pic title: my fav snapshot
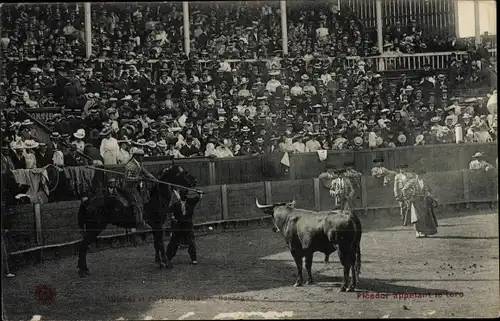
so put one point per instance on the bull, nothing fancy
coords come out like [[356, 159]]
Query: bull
[[307, 232]]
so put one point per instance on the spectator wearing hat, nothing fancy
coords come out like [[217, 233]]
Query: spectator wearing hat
[[189, 149], [123, 154], [312, 144], [419, 140], [247, 148], [259, 148], [17, 157], [162, 147], [113, 115], [272, 144], [273, 83], [42, 157], [237, 150], [299, 146], [55, 142], [400, 181], [223, 150], [479, 164], [176, 153], [27, 131], [109, 147], [309, 88], [296, 90], [210, 148], [481, 132], [78, 142], [285, 143], [339, 141], [72, 158], [378, 170]]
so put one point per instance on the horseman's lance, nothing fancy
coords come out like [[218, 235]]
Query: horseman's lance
[[146, 178]]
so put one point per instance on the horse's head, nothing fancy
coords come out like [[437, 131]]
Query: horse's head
[[177, 175]]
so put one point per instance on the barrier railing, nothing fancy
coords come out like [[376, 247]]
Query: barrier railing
[[401, 62], [385, 62], [42, 226], [249, 169]]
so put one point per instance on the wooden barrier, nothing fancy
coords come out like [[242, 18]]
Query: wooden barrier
[[435, 158], [241, 200], [483, 186], [54, 225], [304, 166], [247, 169]]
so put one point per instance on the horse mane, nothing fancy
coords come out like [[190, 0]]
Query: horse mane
[[155, 191]]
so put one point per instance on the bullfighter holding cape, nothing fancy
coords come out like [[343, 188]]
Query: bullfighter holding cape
[[421, 205]]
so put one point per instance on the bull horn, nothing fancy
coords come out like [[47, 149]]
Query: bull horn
[[261, 206]]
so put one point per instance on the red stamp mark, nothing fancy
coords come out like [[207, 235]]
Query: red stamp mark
[[45, 293]]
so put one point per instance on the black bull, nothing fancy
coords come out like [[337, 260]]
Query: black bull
[[307, 232]]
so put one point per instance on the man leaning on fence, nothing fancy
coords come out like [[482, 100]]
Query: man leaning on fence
[[478, 163], [400, 180], [342, 191], [353, 175]]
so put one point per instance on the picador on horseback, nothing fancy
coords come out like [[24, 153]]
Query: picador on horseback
[[139, 211], [133, 186]]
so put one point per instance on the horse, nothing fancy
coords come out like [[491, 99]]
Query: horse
[[96, 213], [155, 208]]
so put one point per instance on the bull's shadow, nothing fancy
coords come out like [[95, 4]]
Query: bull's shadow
[[462, 237], [378, 285]]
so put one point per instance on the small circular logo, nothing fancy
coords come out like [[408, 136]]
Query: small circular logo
[[45, 293]]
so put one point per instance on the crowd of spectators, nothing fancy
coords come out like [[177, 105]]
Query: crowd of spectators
[[181, 108]]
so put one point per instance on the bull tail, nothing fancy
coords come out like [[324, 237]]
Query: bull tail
[[357, 243], [357, 263]]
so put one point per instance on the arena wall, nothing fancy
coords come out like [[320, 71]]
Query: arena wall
[[51, 230], [247, 169]]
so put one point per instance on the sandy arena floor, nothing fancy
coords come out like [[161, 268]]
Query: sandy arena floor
[[249, 274]]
